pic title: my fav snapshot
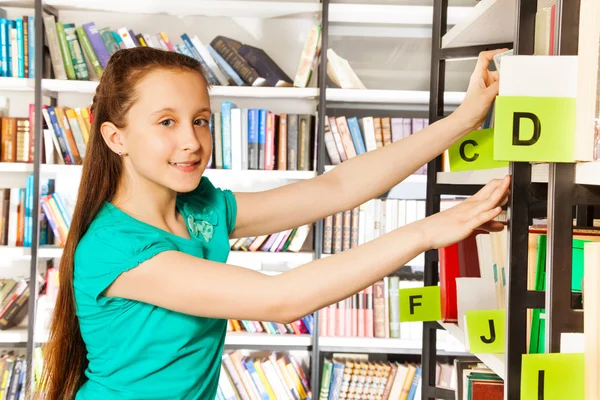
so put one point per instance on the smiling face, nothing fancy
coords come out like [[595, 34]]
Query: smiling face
[[167, 140]]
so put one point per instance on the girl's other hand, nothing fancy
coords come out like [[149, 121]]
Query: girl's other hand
[[477, 212], [482, 90]]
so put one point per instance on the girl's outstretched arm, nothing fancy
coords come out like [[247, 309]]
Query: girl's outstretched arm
[[199, 287], [364, 177]]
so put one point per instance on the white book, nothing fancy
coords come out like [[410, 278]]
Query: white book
[[209, 60], [244, 138], [368, 130], [236, 139], [126, 37]]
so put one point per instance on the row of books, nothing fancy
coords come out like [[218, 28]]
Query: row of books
[[17, 46], [376, 217], [347, 137], [65, 130], [291, 240], [16, 211], [303, 326], [14, 296], [260, 139], [82, 53], [355, 377], [373, 312], [262, 375], [13, 374]]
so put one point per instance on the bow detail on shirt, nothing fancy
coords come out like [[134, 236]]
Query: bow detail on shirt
[[201, 224]]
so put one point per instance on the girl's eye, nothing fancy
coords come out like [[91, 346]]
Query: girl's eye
[[201, 122], [167, 122]]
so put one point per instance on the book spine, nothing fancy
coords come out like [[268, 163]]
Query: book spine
[[109, 41], [262, 134], [210, 76], [81, 71], [225, 66], [89, 50], [20, 49], [253, 139], [226, 107], [4, 47], [64, 50], [26, 46], [270, 142], [96, 42], [237, 62], [292, 142], [31, 43]]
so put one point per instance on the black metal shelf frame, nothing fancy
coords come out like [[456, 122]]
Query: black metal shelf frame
[[529, 200]]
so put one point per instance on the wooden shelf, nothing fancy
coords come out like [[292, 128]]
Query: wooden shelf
[[265, 340], [16, 335], [489, 22], [209, 8], [374, 345], [388, 96], [495, 362], [16, 84], [390, 14], [586, 173], [89, 87]]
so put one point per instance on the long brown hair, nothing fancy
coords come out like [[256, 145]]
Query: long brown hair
[[65, 355]]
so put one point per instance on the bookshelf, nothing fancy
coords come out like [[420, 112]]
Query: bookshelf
[[538, 191], [268, 19]]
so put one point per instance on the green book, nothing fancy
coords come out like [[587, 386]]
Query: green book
[[64, 51], [81, 71], [89, 50]]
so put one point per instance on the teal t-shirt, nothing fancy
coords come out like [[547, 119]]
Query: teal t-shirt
[[137, 350]]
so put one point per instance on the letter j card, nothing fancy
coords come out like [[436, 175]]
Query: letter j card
[[485, 331], [420, 304]]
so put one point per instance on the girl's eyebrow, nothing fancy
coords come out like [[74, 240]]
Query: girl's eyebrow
[[170, 109]]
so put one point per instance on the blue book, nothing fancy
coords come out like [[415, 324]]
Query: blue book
[[262, 134], [20, 49], [357, 137], [262, 391], [62, 208], [226, 107], [43, 219], [225, 66], [253, 138], [28, 212], [210, 76], [31, 43], [9, 26], [415, 383], [4, 47]]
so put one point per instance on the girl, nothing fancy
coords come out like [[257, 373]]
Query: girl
[[145, 291]]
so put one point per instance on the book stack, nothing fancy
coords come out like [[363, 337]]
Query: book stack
[[253, 138], [355, 377], [262, 375], [82, 53], [346, 137], [373, 312], [16, 138], [350, 228], [16, 211], [291, 240], [14, 296], [301, 327], [13, 372], [17, 47]]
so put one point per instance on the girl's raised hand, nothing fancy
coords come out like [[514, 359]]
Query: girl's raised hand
[[477, 212], [482, 90]]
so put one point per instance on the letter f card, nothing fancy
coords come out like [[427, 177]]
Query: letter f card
[[420, 304]]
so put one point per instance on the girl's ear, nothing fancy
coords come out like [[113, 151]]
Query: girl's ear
[[113, 137]]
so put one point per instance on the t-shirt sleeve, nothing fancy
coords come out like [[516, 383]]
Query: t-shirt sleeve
[[223, 200], [105, 253]]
